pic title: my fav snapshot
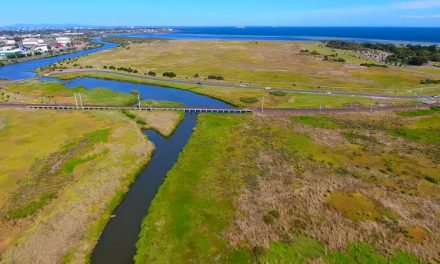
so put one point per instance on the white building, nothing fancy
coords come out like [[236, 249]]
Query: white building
[[5, 53], [32, 42], [10, 42], [63, 40], [43, 48]]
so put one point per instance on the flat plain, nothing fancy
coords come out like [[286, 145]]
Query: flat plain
[[261, 63]]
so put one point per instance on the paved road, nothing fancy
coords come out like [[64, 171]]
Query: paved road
[[225, 110], [376, 96]]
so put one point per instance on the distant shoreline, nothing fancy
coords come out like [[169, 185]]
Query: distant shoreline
[[395, 35]]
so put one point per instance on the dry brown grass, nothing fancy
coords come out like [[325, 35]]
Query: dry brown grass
[[67, 228], [299, 186], [163, 122], [266, 63]]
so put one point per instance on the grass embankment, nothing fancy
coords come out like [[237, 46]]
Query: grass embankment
[[55, 93], [61, 175], [246, 98], [165, 123], [262, 63], [281, 189]]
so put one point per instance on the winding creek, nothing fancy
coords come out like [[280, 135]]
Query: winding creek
[[117, 243]]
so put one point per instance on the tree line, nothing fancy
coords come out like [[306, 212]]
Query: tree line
[[400, 54]]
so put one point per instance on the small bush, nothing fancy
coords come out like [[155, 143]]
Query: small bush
[[215, 77], [169, 74], [151, 73], [429, 81], [369, 65], [431, 179], [270, 217]]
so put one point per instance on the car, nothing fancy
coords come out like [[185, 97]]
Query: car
[[268, 88], [329, 93], [242, 85]]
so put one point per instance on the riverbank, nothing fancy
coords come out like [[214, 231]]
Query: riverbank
[[45, 55], [82, 144], [117, 242], [45, 92], [58, 195], [255, 189]]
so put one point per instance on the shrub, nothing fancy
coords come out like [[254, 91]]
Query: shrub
[[431, 179], [369, 65], [417, 60], [151, 73], [169, 74], [429, 81], [270, 217], [105, 67], [249, 100], [215, 77]]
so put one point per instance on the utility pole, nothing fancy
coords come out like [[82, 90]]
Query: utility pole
[[372, 103], [76, 101], [139, 102], [81, 101], [320, 107], [262, 105], [18, 100], [418, 99]]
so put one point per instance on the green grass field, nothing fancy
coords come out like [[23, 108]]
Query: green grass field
[[236, 96], [62, 173], [56, 93], [262, 63], [295, 189]]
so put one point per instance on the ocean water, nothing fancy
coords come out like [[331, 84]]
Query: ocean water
[[358, 34]]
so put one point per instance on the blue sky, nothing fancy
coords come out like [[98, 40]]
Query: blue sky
[[224, 12]]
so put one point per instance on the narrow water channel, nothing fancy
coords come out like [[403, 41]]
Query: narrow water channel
[[117, 244]]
